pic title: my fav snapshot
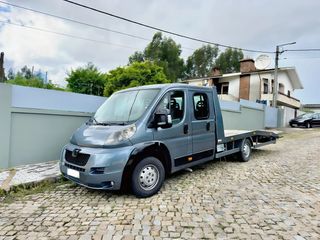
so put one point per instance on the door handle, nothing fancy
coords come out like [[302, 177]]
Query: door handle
[[185, 128], [208, 126]]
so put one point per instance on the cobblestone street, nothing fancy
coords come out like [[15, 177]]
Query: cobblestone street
[[276, 195]]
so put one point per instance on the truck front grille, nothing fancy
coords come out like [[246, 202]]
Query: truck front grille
[[74, 167], [80, 159]]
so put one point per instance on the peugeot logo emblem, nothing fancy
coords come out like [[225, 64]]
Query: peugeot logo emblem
[[75, 152]]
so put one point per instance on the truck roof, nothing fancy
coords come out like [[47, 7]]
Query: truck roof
[[166, 86]]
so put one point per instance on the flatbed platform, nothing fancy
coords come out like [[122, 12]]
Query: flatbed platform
[[231, 135], [231, 143]]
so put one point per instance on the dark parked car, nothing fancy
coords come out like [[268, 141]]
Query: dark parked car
[[307, 120]]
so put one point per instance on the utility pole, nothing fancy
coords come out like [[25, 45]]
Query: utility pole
[[276, 66], [275, 82], [2, 77]]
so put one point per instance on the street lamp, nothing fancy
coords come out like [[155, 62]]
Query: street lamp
[[275, 88]]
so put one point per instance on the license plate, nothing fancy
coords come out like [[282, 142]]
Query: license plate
[[73, 173]]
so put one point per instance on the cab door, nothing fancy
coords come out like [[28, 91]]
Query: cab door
[[177, 138], [202, 124]]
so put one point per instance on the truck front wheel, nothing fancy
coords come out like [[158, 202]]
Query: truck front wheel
[[245, 150], [147, 177]]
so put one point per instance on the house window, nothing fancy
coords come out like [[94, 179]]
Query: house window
[[281, 88], [265, 86], [225, 88]]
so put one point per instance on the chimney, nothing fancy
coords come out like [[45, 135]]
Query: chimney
[[215, 72], [247, 65]]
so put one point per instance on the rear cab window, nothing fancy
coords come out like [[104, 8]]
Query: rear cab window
[[201, 106]]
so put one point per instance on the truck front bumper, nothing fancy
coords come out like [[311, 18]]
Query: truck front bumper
[[96, 168]]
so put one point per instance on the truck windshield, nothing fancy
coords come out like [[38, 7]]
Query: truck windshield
[[125, 107]]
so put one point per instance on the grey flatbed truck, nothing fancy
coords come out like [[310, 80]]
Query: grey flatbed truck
[[140, 135]]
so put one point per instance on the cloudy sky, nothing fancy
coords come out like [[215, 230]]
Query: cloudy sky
[[253, 24]]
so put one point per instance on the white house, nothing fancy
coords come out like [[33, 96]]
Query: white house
[[256, 85]]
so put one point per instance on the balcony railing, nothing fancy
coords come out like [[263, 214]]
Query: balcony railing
[[228, 97], [283, 99], [281, 93]]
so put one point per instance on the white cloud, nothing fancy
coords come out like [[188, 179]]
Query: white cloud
[[247, 23]]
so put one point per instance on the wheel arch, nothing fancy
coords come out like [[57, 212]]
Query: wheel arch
[[155, 149]]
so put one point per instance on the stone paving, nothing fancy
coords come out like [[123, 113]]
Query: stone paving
[[276, 195], [29, 174]]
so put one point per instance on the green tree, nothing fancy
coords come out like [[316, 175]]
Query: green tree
[[11, 74], [229, 60], [136, 57], [165, 52], [136, 74], [87, 80], [200, 63], [26, 72], [33, 81]]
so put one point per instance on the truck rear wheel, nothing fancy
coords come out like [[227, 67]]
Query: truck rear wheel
[[147, 177], [245, 150]]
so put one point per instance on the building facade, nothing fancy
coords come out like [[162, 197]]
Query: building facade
[[256, 85]]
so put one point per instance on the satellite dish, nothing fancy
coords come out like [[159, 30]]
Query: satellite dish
[[262, 62]]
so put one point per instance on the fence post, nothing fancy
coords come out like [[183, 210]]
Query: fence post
[[5, 126]]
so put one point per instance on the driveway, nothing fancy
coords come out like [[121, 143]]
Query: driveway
[[276, 195]]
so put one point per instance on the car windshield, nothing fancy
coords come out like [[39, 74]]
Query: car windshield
[[306, 115], [125, 107]]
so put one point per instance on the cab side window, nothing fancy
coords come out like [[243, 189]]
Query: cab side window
[[174, 102], [201, 106]]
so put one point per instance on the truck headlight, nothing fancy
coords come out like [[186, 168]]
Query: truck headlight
[[122, 135]]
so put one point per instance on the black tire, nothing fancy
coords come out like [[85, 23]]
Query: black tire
[[149, 171], [308, 125], [245, 150]]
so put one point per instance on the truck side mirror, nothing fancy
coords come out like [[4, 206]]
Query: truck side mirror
[[162, 119]]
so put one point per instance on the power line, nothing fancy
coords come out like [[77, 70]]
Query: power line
[[76, 21], [299, 58], [67, 35], [303, 50], [83, 23], [163, 30]]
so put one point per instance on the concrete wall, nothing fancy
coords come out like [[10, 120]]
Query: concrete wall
[[289, 114], [243, 115], [271, 117], [36, 123]]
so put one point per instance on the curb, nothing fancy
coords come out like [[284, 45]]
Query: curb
[[29, 185]]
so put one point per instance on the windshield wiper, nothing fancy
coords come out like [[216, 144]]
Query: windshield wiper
[[96, 122], [116, 123]]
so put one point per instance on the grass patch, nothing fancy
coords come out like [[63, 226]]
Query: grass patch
[[18, 192]]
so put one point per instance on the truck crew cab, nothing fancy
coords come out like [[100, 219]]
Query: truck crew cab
[[140, 135]]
